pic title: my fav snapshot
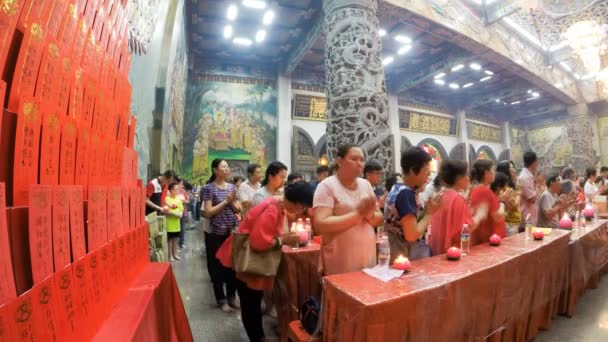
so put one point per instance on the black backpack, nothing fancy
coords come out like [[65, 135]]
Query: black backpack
[[310, 315]]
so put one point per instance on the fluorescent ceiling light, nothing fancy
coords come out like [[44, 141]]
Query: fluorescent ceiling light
[[475, 66], [440, 82], [404, 49], [260, 36], [488, 72], [388, 60], [268, 17], [227, 31], [254, 4], [467, 85], [242, 41], [454, 85], [497, 100], [403, 39], [458, 67], [485, 79], [382, 32], [440, 75], [523, 32], [535, 94], [233, 12], [516, 102]]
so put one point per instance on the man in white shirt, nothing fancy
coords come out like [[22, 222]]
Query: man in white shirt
[[249, 187], [526, 180], [550, 205]]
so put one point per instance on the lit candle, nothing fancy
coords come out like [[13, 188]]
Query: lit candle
[[401, 263]]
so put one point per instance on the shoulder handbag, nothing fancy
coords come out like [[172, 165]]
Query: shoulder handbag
[[246, 260]]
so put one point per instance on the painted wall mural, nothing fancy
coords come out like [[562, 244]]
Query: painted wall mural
[[175, 98], [235, 120]]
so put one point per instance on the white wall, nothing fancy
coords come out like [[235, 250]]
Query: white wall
[[316, 129]]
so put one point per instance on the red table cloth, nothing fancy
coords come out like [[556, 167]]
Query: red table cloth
[[152, 310], [298, 278], [588, 260], [504, 293]]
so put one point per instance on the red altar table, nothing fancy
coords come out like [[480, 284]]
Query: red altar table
[[151, 310], [504, 293], [588, 261], [298, 278]]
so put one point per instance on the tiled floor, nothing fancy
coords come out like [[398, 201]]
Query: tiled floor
[[209, 324]]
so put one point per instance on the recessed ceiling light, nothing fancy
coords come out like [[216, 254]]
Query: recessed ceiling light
[[382, 32], [233, 12], [439, 81], [242, 41], [268, 17], [388, 60], [535, 94], [457, 67], [254, 4], [227, 31], [260, 36], [467, 85], [475, 66], [485, 79], [404, 49], [440, 75], [529, 91], [488, 72], [454, 85], [497, 100], [516, 102], [403, 39]]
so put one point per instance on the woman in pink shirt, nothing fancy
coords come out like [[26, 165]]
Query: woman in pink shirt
[[483, 175], [345, 212], [447, 222], [265, 224]]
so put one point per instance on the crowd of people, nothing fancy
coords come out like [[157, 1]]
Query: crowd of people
[[349, 206]]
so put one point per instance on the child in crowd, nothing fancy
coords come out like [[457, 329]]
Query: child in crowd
[[174, 210]]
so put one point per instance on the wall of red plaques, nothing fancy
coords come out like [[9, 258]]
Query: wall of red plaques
[[72, 229]]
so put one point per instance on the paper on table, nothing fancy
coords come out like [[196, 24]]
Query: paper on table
[[383, 273]]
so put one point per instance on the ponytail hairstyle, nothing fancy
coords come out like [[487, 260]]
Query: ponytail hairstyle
[[214, 165], [479, 169], [272, 170]]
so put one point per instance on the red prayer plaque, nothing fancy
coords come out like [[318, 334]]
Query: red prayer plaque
[[105, 274], [33, 10], [40, 233], [57, 12], [28, 64], [27, 140], [61, 226], [9, 15], [98, 23], [7, 278], [22, 312], [49, 150], [125, 211], [90, 93], [67, 152], [89, 56], [76, 209], [67, 32], [2, 93], [114, 212], [95, 294], [132, 207], [70, 317], [50, 69], [80, 297], [64, 83], [121, 277], [47, 302], [6, 329], [97, 216], [80, 39], [82, 158], [76, 95], [89, 12]]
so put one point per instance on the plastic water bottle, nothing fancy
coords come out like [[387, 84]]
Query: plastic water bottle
[[576, 220], [384, 252], [465, 239], [528, 227], [308, 228]]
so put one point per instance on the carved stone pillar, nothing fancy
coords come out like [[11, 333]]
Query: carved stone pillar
[[580, 128], [357, 108]]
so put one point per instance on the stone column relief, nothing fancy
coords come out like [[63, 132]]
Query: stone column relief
[[580, 134], [357, 104]]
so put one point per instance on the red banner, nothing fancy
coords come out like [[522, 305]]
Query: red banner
[[27, 140], [81, 300], [7, 278], [64, 83], [88, 104], [9, 16], [77, 222], [61, 226], [83, 150], [76, 95], [40, 233], [46, 301], [67, 32], [49, 150], [67, 151], [50, 69], [97, 217], [80, 40], [71, 321], [28, 63]]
